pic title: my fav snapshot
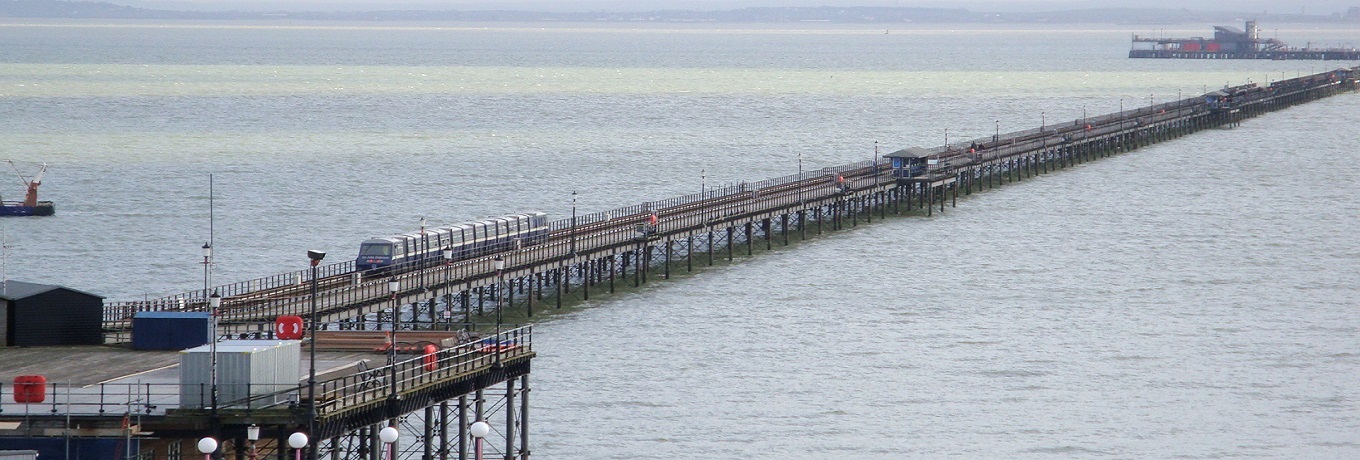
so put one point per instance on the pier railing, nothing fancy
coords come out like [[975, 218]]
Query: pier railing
[[334, 396]]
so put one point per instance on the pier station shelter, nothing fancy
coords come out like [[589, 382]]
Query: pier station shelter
[[911, 161], [34, 315]]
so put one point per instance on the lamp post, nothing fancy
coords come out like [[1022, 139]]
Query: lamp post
[[315, 257], [997, 137], [573, 222], [499, 263], [253, 435], [479, 430], [875, 163], [207, 262], [703, 192], [214, 302], [448, 293], [388, 435], [1043, 121], [297, 441], [207, 446], [423, 247], [393, 286]]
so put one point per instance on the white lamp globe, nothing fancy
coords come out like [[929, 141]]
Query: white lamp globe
[[388, 435], [297, 440], [480, 429], [207, 445]]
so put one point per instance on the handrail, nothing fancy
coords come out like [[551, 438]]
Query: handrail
[[333, 396]]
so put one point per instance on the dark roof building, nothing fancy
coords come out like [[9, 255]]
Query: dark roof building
[[45, 315]]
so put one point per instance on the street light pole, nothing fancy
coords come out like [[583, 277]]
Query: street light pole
[[448, 289], [573, 223], [214, 302], [253, 435], [207, 446], [388, 435], [703, 192], [297, 441], [393, 286], [479, 429], [315, 257], [499, 264], [207, 262]]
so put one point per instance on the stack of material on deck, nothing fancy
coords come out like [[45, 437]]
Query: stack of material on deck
[[376, 341]]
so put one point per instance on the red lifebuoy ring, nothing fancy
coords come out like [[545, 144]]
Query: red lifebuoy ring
[[288, 327], [431, 358]]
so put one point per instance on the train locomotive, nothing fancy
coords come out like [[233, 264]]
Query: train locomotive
[[466, 240]]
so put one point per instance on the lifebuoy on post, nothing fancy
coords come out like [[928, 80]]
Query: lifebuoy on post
[[431, 358], [288, 327], [30, 389]]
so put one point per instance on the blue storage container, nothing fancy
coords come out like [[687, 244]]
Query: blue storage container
[[164, 330]]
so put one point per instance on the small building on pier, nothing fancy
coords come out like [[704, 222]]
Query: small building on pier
[[33, 315], [912, 161]]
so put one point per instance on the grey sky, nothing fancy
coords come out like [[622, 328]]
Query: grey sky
[[1273, 6]]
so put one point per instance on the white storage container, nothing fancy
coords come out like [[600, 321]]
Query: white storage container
[[245, 368]]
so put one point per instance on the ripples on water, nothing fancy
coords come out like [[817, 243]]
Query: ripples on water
[[1190, 299]]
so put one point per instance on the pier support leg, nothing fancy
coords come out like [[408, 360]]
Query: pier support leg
[[462, 427], [444, 430], [428, 454], [561, 284], [510, 419], [785, 229], [710, 246], [689, 253], [766, 224], [524, 417], [750, 240], [730, 233]]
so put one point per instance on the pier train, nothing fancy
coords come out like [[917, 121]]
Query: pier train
[[466, 240]]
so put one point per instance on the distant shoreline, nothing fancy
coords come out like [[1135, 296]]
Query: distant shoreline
[[48, 9]]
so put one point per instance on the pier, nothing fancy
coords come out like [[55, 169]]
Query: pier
[[1234, 43], [441, 394]]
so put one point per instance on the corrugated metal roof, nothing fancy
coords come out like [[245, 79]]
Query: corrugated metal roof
[[15, 290], [242, 346]]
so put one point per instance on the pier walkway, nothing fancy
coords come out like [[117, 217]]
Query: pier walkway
[[600, 252], [596, 251]]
